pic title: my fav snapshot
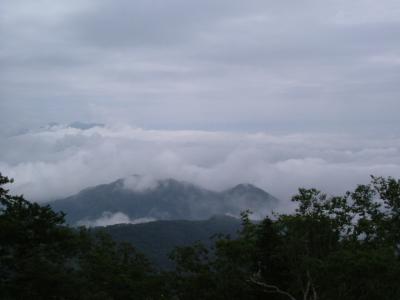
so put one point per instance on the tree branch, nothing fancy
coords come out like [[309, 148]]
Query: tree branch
[[269, 288]]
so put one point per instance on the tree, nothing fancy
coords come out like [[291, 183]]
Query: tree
[[339, 247], [42, 258], [36, 251]]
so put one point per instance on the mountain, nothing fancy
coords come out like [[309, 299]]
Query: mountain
[[84, 125], [168, 199], [157, 239]]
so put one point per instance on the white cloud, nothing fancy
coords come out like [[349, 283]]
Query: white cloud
[[109, 218], [60, 161]]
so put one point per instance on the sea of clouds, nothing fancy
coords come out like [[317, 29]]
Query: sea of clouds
[[57, 161]]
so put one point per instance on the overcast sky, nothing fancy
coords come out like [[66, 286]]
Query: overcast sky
[[179, 64], [324, 72]]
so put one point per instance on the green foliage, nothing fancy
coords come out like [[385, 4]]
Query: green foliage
[[41, 258], [330, 248], [157, 239]]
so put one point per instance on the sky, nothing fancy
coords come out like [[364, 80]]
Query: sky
[[211, 79]]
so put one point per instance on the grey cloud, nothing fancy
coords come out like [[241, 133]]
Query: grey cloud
[[150, 23]]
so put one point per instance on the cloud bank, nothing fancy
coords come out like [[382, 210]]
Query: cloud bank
[[58, 161]]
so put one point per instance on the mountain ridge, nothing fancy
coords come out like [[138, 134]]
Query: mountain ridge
[[166, 199]]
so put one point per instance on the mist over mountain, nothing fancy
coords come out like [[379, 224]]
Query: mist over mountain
[[137, 199], [59, 161]]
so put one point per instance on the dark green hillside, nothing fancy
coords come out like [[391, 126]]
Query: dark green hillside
[[157, 239]]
